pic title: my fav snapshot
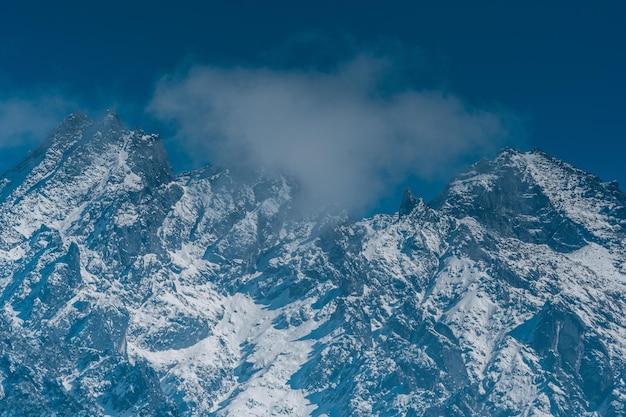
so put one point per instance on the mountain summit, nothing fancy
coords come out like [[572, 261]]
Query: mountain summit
[[128, 291]]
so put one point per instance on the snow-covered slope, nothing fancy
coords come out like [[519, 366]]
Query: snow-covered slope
[[126, 290]]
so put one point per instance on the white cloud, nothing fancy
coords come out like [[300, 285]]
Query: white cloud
[[337, 132]]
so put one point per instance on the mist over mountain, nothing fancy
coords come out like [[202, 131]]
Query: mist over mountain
[[343, 133], [129, 290]]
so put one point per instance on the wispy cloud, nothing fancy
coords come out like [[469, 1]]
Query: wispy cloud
[[25, 120], [339, 132]]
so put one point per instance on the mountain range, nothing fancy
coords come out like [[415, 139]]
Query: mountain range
[[129, 290]]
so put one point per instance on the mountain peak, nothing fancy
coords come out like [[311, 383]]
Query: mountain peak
[[518, 157], [409, 202], [106, 147], [76, 116], [507, 152], [72, 125], [535, 197], [127, 291], [77, 126], [112, 119]]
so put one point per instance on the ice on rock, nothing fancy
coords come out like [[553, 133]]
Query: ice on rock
[[128, 290]]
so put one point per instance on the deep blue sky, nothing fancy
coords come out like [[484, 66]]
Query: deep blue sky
[[559, 66]]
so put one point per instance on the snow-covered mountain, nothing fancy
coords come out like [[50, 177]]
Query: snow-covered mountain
[[129, 291]]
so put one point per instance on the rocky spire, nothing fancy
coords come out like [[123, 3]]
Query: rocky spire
[[409, 202]]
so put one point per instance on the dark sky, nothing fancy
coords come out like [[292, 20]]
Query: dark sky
[[559, 67]]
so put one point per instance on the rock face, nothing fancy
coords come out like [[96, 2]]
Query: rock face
[[128, 291]]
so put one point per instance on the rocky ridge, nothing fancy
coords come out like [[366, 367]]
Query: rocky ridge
[[127, 290]]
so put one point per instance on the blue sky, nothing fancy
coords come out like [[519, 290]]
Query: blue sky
[[525, 74]]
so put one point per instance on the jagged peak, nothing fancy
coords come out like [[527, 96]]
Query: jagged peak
[[76, 116], [61, 138], [508, 151], [79, 117], [77, 126], [409, 202], [73, 123], [539, 151], [518, 188], [112, 121], [520, 161], [522, 166], [77, 139], [515, 157]]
